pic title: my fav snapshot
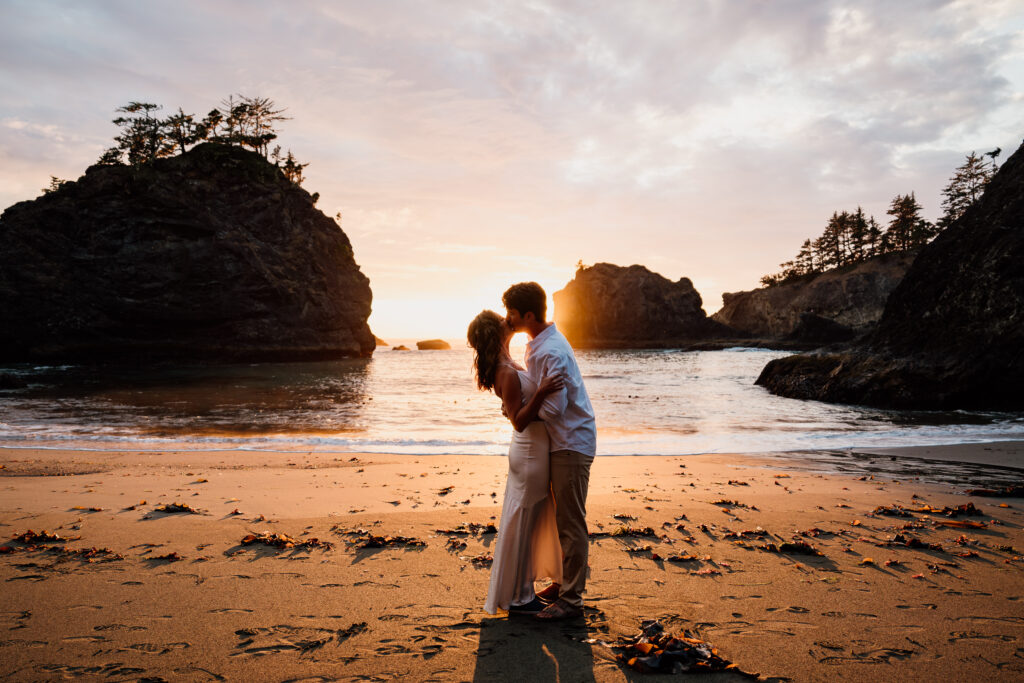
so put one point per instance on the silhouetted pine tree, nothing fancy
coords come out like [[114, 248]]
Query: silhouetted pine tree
[[142, 135], [966, 186]]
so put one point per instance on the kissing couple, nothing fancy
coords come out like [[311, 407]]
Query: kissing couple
[[542, 533]]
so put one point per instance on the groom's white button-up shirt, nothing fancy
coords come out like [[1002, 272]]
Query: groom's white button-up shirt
[[568, 414]]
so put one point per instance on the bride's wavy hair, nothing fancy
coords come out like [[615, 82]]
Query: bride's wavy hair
[[484, 335]]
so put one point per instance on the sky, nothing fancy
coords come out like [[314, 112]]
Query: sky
[[472, 144]]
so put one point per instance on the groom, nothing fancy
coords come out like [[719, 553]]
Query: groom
[[569, 418]]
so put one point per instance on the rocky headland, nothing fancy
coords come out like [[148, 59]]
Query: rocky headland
[[833, 306], [952, 333], [210, 255], [610, 306]]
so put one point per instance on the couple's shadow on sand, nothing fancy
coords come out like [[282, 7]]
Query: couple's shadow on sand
[[521, 648]]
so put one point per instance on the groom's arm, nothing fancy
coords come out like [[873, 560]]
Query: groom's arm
[[555, 404]]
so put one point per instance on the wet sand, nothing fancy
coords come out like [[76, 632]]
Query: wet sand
[[863, 610]]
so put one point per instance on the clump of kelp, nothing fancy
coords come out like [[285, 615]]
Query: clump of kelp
[[471, 529], [31, 541], [624, 531], [965, 510], [653, 650], [365, 539], [284, 541]]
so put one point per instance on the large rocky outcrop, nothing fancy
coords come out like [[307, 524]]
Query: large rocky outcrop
[[210, 255], [952, 334], [609, 306], [852, 297]]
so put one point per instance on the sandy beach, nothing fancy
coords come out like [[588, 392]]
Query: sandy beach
[[186, 596]]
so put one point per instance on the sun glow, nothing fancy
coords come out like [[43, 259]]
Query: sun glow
[[440, 318]]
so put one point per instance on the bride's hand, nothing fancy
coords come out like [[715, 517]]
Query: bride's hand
[[550, 384]]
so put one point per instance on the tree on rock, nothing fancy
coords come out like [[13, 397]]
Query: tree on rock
[[907, 229], [966, 187], [142, 136], [181, 130]]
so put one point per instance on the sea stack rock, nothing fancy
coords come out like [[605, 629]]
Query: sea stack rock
[[210, 255], [852, 297], [433, 345], [609, 306], [952, 332]]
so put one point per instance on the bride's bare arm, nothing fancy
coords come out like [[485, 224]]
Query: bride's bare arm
[[511, 394]]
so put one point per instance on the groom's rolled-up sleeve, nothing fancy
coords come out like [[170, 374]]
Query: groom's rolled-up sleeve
[[555, 404]]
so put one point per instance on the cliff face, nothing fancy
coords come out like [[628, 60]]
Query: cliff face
[[212, 254], [853, 297], [952, 334], [609, 306]]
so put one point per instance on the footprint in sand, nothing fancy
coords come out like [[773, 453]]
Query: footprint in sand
[[87, 639], [974, 635], [1012, 620], [153, 648], [117, 627], [879, 656]]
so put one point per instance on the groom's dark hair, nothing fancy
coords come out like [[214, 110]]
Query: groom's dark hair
[[527, 297]]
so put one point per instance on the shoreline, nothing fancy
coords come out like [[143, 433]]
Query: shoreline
[[1004, 455], [864, 610]]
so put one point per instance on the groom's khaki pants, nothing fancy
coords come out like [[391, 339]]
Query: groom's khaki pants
[[570, 478]]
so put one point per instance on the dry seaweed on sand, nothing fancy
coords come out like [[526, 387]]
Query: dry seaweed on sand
[[469, 529], [730, 503], [374, 541], [959, 524], [86, 554], [680, 559], [655, 651], [637, 549], [169, 557], [794, 548], [172, 508], [639, 532], [454, 544], [965, 510], [445, 491], [483, 560], [748, 533], [910, 542], [284, 541], [32, 538], [1015, 491], [893, 511]]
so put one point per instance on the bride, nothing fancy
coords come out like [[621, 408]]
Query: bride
[[527, 547]]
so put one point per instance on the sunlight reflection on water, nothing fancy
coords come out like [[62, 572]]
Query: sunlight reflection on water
[[647, 402]]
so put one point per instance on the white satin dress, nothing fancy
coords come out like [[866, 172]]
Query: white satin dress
[[527, 547]]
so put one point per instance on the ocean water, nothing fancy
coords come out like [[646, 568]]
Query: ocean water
[[655, 402]]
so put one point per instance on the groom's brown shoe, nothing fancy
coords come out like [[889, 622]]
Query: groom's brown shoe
[[549, 594]]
